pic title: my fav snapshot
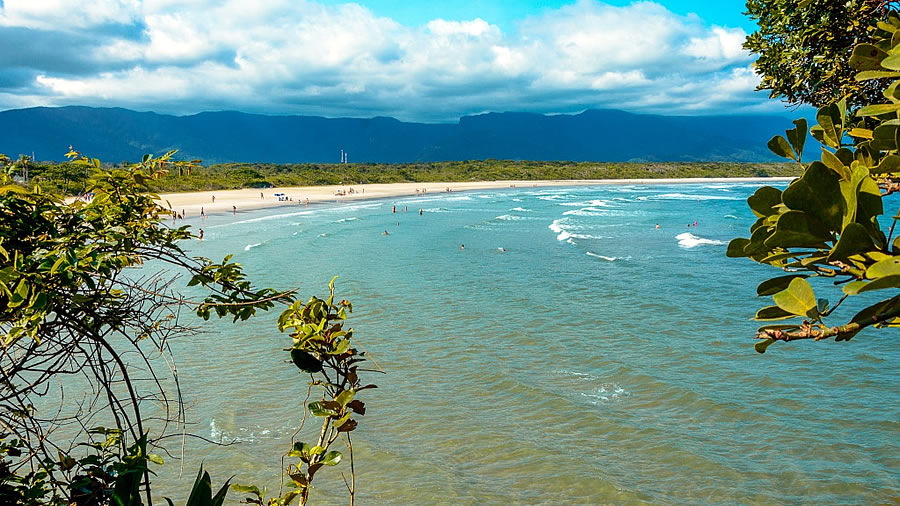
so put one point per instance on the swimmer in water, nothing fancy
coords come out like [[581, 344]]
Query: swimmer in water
[[501, 249], [385, 233], [201, 234], [462, 246], [657, 226]]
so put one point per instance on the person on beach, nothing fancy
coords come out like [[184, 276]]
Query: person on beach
[[214, 199], [201, 234], [183, 213], [261, 195], [234, 210], [201, 212]]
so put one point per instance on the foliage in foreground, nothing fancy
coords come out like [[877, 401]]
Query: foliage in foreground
[[804, 49], [824, 226], [73, 305]]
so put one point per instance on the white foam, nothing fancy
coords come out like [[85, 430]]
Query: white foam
[[556, 226], [520, 209], [345, 220], [608, 259], [589, 203], [510, 217], [731, 216], [250, 246], [563, 235], [587, 211], [689, 240], [684, 196], [266, 218]]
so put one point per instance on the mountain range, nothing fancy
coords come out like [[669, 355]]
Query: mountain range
[[116, 134]]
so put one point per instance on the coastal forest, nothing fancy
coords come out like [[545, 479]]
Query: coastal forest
[[69, 178]]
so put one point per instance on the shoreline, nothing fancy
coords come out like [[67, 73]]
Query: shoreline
[[222, 202]]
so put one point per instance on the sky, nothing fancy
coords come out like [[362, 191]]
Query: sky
[[412, 60]]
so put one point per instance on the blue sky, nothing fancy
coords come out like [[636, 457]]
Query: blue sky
[[417, 61], [507, 13]]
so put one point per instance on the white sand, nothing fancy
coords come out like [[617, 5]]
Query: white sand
[[247, 199]]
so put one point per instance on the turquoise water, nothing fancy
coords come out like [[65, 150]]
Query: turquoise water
[[594, 359]]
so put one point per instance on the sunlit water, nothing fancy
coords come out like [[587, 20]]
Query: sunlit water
[[572, 353]]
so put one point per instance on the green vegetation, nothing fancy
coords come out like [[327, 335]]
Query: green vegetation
[[70, 179], [804, 49], [74, 305], [823, 230]]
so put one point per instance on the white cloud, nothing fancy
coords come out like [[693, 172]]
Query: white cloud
[[67, 14], [302, 57]]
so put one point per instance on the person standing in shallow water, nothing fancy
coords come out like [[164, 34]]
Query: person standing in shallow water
[[201, 234], [234, 210]]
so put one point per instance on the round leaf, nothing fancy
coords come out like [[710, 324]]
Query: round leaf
[[798, 298]]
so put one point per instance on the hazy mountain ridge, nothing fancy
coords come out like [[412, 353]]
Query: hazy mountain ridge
[[115, 134]]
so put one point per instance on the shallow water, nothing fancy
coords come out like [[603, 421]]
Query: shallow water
[[571, 353]]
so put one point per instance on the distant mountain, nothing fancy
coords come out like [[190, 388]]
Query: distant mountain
[[115, 134]]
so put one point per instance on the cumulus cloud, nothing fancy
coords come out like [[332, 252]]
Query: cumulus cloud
[[302, 57]]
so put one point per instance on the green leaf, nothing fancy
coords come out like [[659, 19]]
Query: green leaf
[[797, 136], [331, 458], [889, 164], [780, 147], [201, 492], [853, 239], [796, 229], [772, 313], [892, 62], [818, 193], [876, 74], [736, 248], [305, 362], [834, 163], [775, 285], [246, 489], [763, 200], [878, 109], [345, 397], [318, 409], [887, 267], [866, 315], [867, 57], [830, 119], [156, 459], [857, 287], [761, 346], [798, 298]]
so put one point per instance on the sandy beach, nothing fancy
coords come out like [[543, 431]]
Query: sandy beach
[[236, 201]]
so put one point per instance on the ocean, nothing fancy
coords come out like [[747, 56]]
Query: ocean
[[571, 353]]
